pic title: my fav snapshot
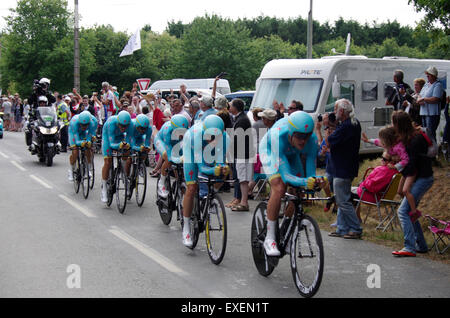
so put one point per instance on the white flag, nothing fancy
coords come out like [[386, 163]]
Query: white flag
[[134, 44]]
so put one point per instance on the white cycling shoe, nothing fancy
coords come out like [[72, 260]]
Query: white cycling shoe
[[162, 191], [187, 240], [104, 195], [70, 175], [271, 248]]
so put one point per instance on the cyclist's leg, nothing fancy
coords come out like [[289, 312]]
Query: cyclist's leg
[[277, 192], [191, 177], [163, 192]]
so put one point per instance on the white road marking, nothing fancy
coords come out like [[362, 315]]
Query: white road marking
[[18, 166], [83, 210], [3, 155], [147, 251], [44, 184]]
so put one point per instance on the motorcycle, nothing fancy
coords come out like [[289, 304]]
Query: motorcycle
[[45, 135]]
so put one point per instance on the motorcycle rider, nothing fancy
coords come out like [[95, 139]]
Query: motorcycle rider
[[40, 89]]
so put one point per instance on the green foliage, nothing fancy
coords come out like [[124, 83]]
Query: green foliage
[[436, 11]]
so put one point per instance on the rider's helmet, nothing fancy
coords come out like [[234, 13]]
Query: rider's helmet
[[124, 118], [84, 118], [213, 122], [43, 99], [142, 121], [179, 121], [45, 82], [301, 124]]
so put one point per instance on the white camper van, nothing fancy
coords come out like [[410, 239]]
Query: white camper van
[[223, 86], [367, 82]]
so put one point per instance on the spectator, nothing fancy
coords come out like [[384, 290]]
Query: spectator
[[410, 105], [130, 110], [259, 130], [194, 110], [446, 136], [178, 109], [221, 105], [7, 110], [417, 147], [398, 95], [344, 145], [269, 117], [109, 99], [329, 124], [18, 117], [295, 107], [429, 100], [242, 153], [26, 108], [63, 112], [184, 95], [279, 109], [135, 105], [206, 104]]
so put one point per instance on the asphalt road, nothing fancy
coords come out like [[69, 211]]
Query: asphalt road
[[49, 234]]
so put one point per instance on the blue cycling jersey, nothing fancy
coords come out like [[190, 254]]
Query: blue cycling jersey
[[137, 139], [280, 159], [76, 135], [168, 140], [112, 136], [203, 156]]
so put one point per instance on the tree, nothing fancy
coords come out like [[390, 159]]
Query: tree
[[34, 28], [436, 11]]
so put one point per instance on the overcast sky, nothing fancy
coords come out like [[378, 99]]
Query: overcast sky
[[129, 15]]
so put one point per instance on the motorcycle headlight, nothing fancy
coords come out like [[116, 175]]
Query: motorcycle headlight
[[48, 131]]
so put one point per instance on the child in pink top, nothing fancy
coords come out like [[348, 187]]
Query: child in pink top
[[389, 140]]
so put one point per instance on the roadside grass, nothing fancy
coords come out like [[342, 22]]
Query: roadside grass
[[435, 203]]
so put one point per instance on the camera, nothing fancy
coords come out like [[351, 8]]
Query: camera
[[331, 118], [320, 118]]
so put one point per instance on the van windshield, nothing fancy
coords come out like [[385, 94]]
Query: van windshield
[[306, 91]]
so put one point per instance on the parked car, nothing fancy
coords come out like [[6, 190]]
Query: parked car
[[246, 96]]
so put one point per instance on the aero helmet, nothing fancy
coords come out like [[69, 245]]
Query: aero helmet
[[84, 118], [179, 121], [213, 122], [300, 122], [43, 99], [142, 121], [124, 118]]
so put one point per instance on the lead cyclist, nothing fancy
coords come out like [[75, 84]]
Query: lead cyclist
[[281, 150]]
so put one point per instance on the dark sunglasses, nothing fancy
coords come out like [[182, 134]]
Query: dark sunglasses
[[301, 136]]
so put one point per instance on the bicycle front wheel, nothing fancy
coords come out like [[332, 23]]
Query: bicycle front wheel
[[76, 176], [141, 184], [307, 257], [264, 265], [216, 230], [85, 183], [195, 223], [92, 174], [111, 186], [121, 190]]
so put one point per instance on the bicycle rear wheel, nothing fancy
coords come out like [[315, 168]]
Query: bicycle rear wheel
[[76, 176], [92, 174], [121, 190], [307, 257], [216, 230], [195, 223], [141, 184], [264, 265], [84, 177], [165, 212]]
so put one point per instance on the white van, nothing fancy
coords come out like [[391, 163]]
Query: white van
[[223, 86], [367, 82]]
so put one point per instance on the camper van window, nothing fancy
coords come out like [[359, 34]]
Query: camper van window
[[286, 90], [347, 91], [369, 91]]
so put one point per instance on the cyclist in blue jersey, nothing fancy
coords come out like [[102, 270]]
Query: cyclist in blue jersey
[[280, 152], [165, 142], [140, 137], [116, 135], [82, 129], [204, 151]]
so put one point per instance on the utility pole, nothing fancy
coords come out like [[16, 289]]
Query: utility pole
[[310, 30], [76, 73]]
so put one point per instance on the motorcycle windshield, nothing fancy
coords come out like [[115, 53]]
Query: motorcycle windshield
[[47, 116]]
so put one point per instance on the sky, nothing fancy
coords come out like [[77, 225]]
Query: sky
[[130, 15]]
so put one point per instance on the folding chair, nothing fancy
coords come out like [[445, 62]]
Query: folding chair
[[384, 199], [261, 185], [441, 234]]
